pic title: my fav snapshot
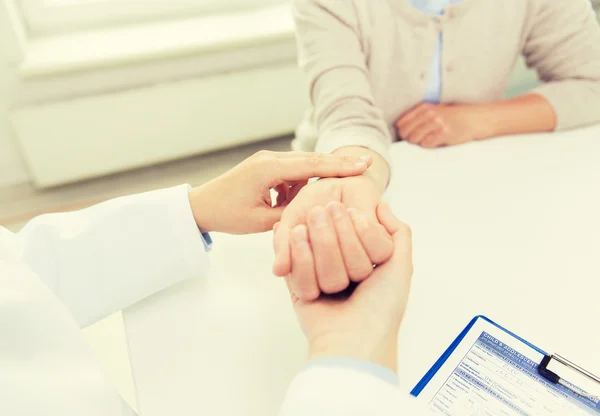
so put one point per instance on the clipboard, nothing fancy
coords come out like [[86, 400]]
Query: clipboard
[[544, 375]]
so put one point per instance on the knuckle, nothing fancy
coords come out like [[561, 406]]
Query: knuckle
[[264, 156], [307, 294], [315, 160], [381, 256], [348, 160], [328, 243]]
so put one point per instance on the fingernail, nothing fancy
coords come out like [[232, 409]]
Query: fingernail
[[300, 235], [360, 221], [361, 165], [319, 217], [365, 159], [337, 210]]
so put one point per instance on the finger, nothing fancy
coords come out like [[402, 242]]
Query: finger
[[357, 261], [303, 281], [399, 231], [281, 243], [275, 228], [280, 155], [427, 129], [419, 127], [263, 219], [297, 187], [329, 264], [293, 296], [390, 283], [432, 141], [411, 115], [314, 165], [374, 238], [282, 193]]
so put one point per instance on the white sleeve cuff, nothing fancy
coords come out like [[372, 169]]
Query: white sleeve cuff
[[331, 391]]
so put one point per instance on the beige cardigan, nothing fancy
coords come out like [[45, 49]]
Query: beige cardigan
[[367, 61]]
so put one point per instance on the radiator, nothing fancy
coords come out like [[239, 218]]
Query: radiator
[[87, 137]]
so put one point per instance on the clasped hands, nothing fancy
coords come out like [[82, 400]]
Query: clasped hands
[[329, 235]]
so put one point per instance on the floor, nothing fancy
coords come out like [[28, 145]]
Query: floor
[[21, 203]]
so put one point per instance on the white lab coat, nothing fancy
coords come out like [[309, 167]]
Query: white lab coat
[[65, 271]]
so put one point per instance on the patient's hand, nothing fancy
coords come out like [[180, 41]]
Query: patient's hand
[[357, 241], [435, 125]]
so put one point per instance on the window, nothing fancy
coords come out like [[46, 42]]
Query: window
[[57, 16]]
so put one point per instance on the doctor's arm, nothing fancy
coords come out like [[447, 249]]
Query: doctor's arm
[[352, 338], [104, 258]]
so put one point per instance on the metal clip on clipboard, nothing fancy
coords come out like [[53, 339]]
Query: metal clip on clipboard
[[556, 379]]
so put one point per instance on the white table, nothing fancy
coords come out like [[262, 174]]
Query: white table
[[509, 228]]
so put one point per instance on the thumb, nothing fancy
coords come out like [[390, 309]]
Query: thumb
[[388, 220], [389, 285], [399, 231], [295, 299], [267, 218]]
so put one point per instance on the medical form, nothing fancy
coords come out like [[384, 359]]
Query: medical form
[[493, 373]]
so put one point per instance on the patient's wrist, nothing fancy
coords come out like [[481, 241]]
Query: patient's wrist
[[487, 120], [379, 172]]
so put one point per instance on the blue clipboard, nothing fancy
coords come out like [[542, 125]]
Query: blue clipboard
[[542, 368], [442, 360]]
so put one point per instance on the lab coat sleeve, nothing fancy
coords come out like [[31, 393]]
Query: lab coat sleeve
[[346, 391], [102, 259]]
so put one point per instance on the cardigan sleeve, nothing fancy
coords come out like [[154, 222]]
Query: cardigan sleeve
[[332, 57], [563, 45]]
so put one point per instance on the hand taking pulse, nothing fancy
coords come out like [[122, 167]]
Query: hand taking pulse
[[365, 325], [435, 125], [239, 201], [343, 262]]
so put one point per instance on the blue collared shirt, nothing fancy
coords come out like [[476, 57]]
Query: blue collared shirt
[[433, 93]]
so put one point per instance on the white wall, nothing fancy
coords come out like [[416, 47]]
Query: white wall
[[12, 168]]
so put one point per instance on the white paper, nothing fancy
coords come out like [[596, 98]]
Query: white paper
[[492, 373]]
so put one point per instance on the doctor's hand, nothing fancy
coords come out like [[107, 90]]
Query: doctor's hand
[[239, 201], [359, 193], [363, 324]]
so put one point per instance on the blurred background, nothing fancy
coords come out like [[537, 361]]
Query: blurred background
[[102, 98]]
